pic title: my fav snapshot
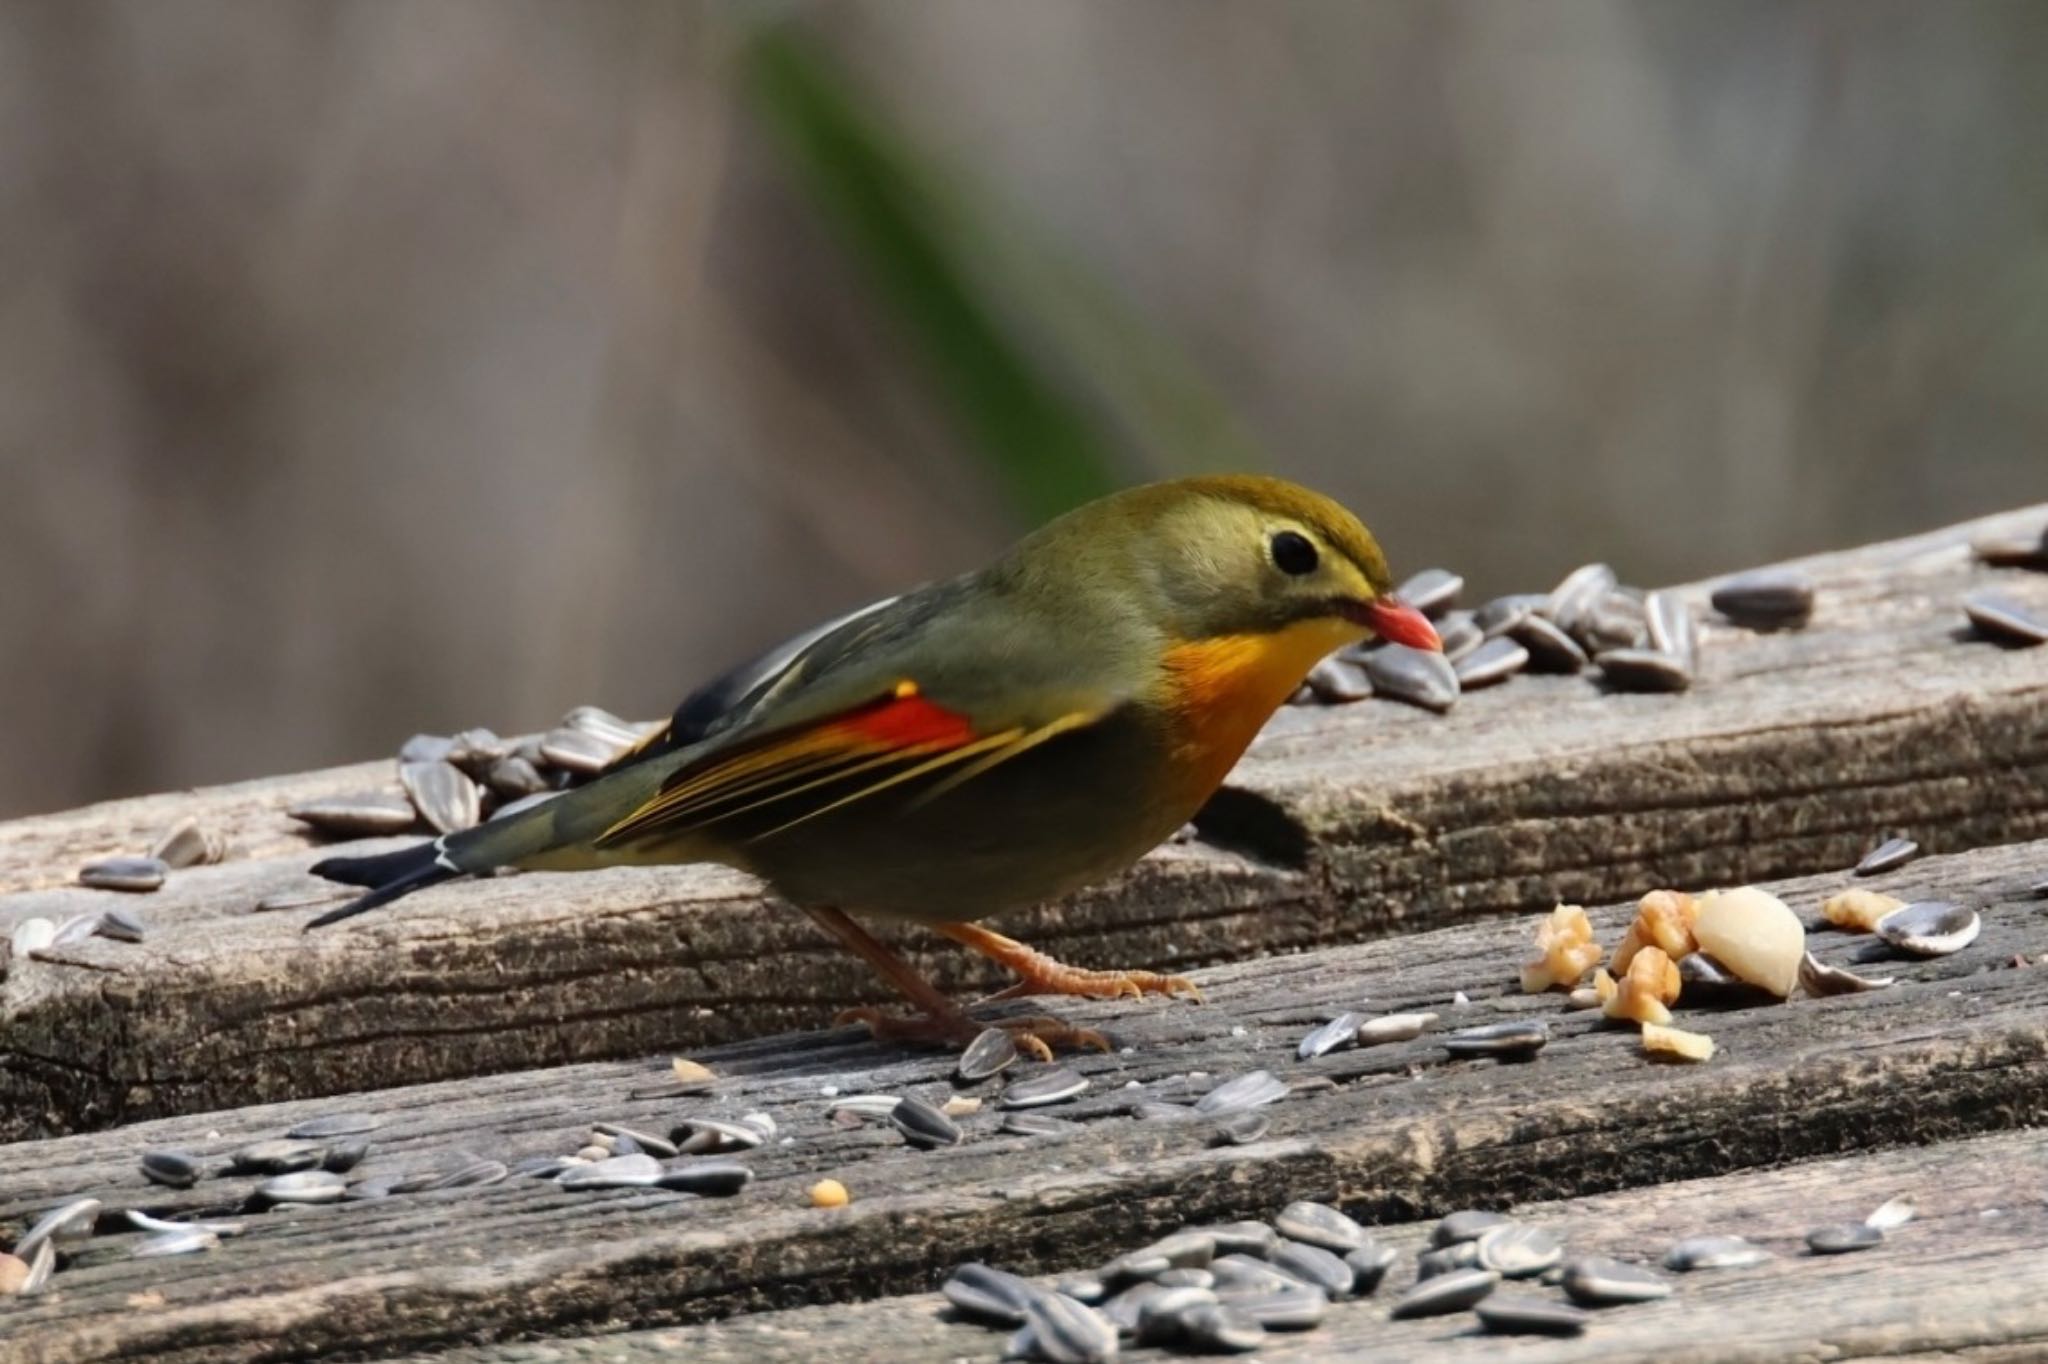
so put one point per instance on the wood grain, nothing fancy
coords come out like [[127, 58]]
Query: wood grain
[[1959, 1048]]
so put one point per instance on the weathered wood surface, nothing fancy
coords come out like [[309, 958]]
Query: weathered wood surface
[[1960, 1047], [1962, 1281], [1795, 751]]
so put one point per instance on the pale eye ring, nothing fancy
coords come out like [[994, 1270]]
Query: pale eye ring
[[1293, 553]]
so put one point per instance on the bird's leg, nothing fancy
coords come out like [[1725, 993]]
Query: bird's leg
[[1039, 974], [943, 1022]]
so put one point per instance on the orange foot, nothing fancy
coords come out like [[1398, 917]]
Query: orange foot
[[1035, 1037], [1038, 974]]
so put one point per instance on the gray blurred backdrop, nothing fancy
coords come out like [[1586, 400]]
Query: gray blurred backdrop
[[370, 366]]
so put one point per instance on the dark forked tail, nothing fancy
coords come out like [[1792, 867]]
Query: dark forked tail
[[386, 875]]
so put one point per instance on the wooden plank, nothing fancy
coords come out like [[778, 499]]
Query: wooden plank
[[1959, 1047], [1962, 1281], [1794, 752]]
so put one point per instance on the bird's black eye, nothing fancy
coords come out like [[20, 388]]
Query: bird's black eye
[[1293, 554]]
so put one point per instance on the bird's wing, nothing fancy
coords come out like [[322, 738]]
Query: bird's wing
[[859, 709], [790, 775]]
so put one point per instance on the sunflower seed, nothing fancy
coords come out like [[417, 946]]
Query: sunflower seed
[[1241, 1128], [335, 1125], [600, 723], [1159, 1313], [1432, 591], [1241, 1238], [991, 1051], [865, 1105], [1049, 1087], [369, 1190], [2003, 619], [1453, 1292], [1820, 980], [1642, 670], [303, 1186], [1670, 625], [1511, 1040], [1220, 1329], [1494, 661], [1340, 1031], [1523, 1315], [445, 797], [1459, 636], [172, 1169], [1369, 1265], [1151, 1110], [1293, 1307], [425, 748], [1090, 1288], [71, 1222], [184, 1241], [1893, 852], [476, 1174], [708, 1178], [1447, 1259], [1237, 1272], [1417, 676], [1892, 1214], [514, 778], [476, 751], [1319, 1224], [576, 750], [1190, 1248], [142, 1221], [121, 925], [1930, 928], [123, 873], [345, 1155], [995, 1296], [924, 1126], [371, 813], [1581, 588], [1503, 614], [1062, 1331], [1597, 1281], [1468, 1224], [1515, 1251], [1844, 1239], [75, 930], [1185, 1277], [1766, 599], [2039, 890], [1036, 1125], [638, 1171], [32, 935], [1254, 1089], [1615, 621], [1339, 681], [277, 1157], [2013, 549], [1714, 1252], [188, 843], [646, 1141], [1124, 1309], [1551, 650], [707, 1136], [1313, 1265]]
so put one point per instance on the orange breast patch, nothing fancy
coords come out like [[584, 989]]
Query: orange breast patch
[[1223, 690]]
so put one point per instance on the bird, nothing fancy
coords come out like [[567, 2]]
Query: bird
[[981, 744]]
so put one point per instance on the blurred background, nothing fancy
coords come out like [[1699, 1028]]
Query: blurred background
[[370, 367]]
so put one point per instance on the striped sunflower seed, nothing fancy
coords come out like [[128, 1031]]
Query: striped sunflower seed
[[1496, 660], [1844, 1240], [1433, 591], [1766, 599], [1516, 1251], [1670, 625], [121, 925], [1313, 1265], [1573, 597], [645, 1141], [1642, 670], [1459, 634], [638, 1171], [172, 1169], [1514, 1039], [513, 777], [1446, 1293], [1892, 853], [600, 723], [1190, 1248], [32, 935], [1930, 928], [65, 1224], [707, 1178], [1447, 1259], [2013, 549], [188, 843], [1294, 1307], [276, 1157], [994, 1296], [1369, 1265], [1614, 621], [476, 751], [991, 1052], [1240, 1128], [1254, 1089], [1339, 681], [2004, 620], [443, 794], [578, 750], [345, 1155], [1062, 1331], [426, 748], [302, 1186], [1503, 614], [923, 1126], [335, 1125], [1220, 1329], [1714, 1252], [1523, 1314], [1049, 1087], [1467, 1224], [1551, 649], [358, 816], [184, 1241], [1241, 1238], [1820, 980], [124, 873], [1340, 1031], [1417, 676], [1597, 1281], [1159, 1313], [1319, 1224]]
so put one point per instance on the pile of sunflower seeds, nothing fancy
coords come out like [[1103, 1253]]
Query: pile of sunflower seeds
[[1634, 640], [1224, 1289]]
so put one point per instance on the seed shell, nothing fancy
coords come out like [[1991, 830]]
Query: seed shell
[[1049, 1087], [188, 843], [1313, 1265], [1714, 1252], [1254, 1089], [184, 1241], [578, 750], [1550, 649], [1515, 1251], [1670, 624], [124, 873], [1892, 1214], [1597, 1281], [1893, 852], [1523, 1314], [1340, 1031], [637, 1171], [992, 1051], [72, 1221], [1818, 979], [1453, 1292], [1930, 928], [1503, 614], [120, 925], [1459, 637], [335, 1125], [924, 1126]]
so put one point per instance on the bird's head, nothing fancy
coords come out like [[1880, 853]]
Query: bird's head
[[1234, 556]]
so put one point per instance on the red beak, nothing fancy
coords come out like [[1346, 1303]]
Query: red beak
[[1393, 619]]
